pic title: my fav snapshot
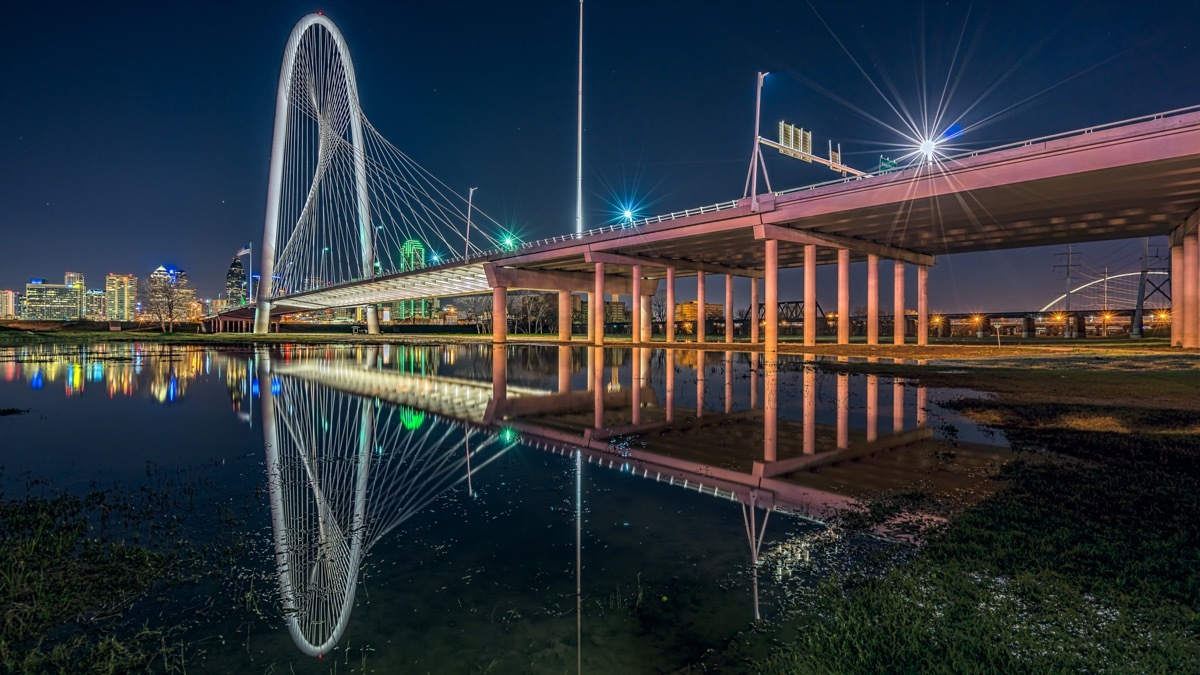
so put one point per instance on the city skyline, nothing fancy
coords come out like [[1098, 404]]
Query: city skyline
[[207, 197]]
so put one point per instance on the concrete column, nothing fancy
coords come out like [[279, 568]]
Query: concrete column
[[728, 308], [771, 296], [564, 316], [372, 320], [810, 295], [843, 297], [922, 305], [899, 322], [700, 302], [753, 311], [647, 319], [499, 315], [1177, 311], [872, 299], [1191, 291], [591, 301], [669, 393], [872, 407], [670, 305], [843, 411], [597, 308], [635, 306]]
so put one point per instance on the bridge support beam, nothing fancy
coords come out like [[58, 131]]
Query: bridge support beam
[[591, 302], [771, 297], [1177, 311], [810, 295], [372, 319], [899, 322], [753, 311], [922, 305], [635, 308], [1191, 290], [597, 308], [670, 305], [564, 316], [728, 308], [700, 307], [843, 270], [499, 315], [872, 299]]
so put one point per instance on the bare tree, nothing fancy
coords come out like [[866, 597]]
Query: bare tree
[[476, 309], [658, 305], [167, 300]]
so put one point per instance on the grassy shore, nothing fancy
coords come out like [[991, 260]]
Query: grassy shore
[[1087, 560]]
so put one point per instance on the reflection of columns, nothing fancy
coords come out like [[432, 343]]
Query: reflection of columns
[[771, 296], [728, 382], [564, 316], [499, 374], [897, 405], [700, 307], [843, 411], [591, 301], [872, 407], [753, 381], [872, 299], [810, 295], [635, 308], [564, 370], [728, 308], [1191, 290], [1177, 310], [699, 384], [922, 305], [591, 366], [597, 308], [922, 401], [670, 305], [770, 403], [810, 409], [499, 315], [598, 385], [843, 296], [636, 395], [898, 322], [670, 387], [753, 311]]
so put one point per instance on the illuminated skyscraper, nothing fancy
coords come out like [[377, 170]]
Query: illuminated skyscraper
[[412, 257], [76, 279], [120, 301], [235, 284], [8, 304], [94, 305], [56, 302]]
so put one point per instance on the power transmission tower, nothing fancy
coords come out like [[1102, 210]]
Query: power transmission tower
[[1068, 266]]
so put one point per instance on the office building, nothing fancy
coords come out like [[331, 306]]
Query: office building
[[8, 305], [94, 302], [686, 311], [52, 302], [235, 284], [120, 297]]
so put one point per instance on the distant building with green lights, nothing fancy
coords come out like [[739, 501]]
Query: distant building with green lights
[[412, 257]]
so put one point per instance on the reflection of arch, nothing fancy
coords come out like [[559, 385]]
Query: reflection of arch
[[1100, 280], [343, 471]]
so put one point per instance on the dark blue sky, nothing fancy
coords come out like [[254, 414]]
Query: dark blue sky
[[138, 134]]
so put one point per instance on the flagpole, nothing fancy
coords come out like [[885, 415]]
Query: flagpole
[[250, 276]]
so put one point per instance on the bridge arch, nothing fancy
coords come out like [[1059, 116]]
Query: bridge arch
[[318, 48], [1099, 281]]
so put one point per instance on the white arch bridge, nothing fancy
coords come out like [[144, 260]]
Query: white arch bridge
[[353, 221]]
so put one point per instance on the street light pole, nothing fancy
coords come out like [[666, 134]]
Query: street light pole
[[754, 156], [467, 239], [579, 137]]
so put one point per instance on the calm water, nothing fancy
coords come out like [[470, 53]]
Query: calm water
[[436, 509]]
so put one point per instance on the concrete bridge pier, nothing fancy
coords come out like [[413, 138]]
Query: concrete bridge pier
[[635, 306], [647, 318], [922, 305], [1191, 290], [899, 322], [499, 315], [843, 270], [728, 308], [700, 308], [771, 298], [591, 302], [564, 316], [753, 311], [596, 309], [670, 327], [810, 295], [372, 320], [872, 299], [1177, 311]]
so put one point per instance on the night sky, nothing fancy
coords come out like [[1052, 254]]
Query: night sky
[[137, 134]]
